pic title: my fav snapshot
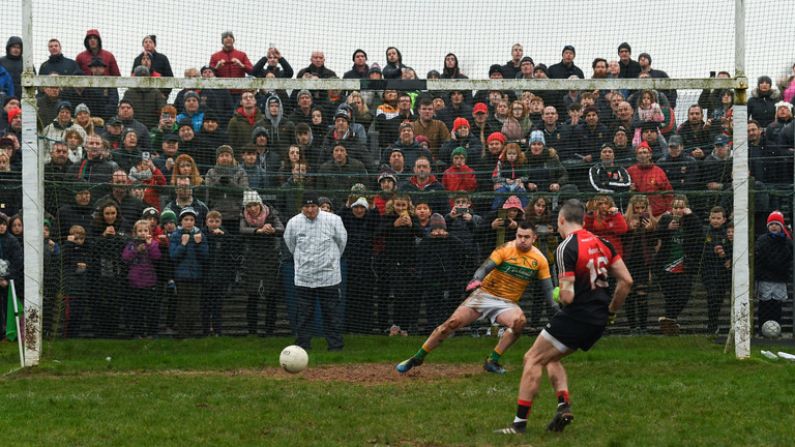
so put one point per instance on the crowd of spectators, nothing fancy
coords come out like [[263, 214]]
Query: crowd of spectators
[[157, 211]]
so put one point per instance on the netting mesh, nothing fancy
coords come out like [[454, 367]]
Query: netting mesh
[[396, 274]]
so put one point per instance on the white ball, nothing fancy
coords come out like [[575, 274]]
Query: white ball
[[771, 329], [293, 359], [107, 359]]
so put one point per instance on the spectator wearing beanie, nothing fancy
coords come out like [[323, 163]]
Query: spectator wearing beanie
[[226, 182], [459, 176], [461, 136]]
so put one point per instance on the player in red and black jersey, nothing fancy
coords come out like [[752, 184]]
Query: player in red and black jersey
[[584, 263]]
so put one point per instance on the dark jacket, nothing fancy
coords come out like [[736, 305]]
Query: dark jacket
[[261, 68], [690, 238], [11, 252], [630, 70], [360, 235], [160, 64], [682, 171], [762, 106], [773, 258], [441, 264], [60, 64]]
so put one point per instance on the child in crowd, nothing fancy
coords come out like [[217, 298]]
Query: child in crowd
[[218, 274], [422, 211], [189, 252], [76, 259], [166, 286], [459, 176], [399, 228], [639, 247], [140, 254], [463, 223], [146, 173], [773, 256], [714, 274]]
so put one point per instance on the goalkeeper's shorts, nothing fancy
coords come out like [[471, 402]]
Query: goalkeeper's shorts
[[488, 306], [568, 334]]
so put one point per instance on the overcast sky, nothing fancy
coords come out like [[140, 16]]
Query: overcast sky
[[685, 38]]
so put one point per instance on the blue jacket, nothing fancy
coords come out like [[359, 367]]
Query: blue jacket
[[6, 82], [188, 259]]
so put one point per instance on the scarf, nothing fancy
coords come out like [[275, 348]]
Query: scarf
[[251, 118], [257, 221]]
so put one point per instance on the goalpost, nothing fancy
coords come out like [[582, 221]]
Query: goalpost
[[33, 159]]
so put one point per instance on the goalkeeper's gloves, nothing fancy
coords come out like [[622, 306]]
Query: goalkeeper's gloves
[[474, 284], [556, 295], [611, 318]]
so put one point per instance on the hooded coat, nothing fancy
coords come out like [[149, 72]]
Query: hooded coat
[[280, 130], [13, 65], [762, 106], [85, 57]]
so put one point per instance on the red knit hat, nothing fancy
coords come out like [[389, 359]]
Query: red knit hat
[[778, 217], [13, 114], [496, 136], [643, 144], [460, 122]]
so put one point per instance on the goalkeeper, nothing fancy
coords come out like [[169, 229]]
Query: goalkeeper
[[495, 290]]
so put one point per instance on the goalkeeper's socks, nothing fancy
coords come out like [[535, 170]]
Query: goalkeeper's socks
[[563, 396], [420, 355], [495, 356], [522, 410]]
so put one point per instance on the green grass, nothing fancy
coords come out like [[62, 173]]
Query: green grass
[[625, 392]]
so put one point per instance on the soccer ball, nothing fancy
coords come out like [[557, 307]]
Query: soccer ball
[[771, 329], [293, 359]]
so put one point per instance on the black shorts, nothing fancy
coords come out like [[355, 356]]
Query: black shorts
[[572, 333]]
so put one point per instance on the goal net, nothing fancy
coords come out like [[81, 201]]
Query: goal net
[[179, 149]]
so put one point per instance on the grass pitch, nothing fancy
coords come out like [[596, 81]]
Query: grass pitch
[[229, 392]]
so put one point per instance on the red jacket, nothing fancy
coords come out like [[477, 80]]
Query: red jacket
[[231, 69], [85, 57], [649, 180], [154, 185], [459, 179], [610, 229]]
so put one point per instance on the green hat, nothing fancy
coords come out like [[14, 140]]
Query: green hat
[[459, 151], [167, 216], [47, 223]]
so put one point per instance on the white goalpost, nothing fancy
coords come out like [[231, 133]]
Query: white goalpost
[[33, 159]]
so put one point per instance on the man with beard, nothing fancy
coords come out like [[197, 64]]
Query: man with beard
[[696, 133]]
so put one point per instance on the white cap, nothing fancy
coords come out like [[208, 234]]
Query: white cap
[[361, 201], [783, 104]]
